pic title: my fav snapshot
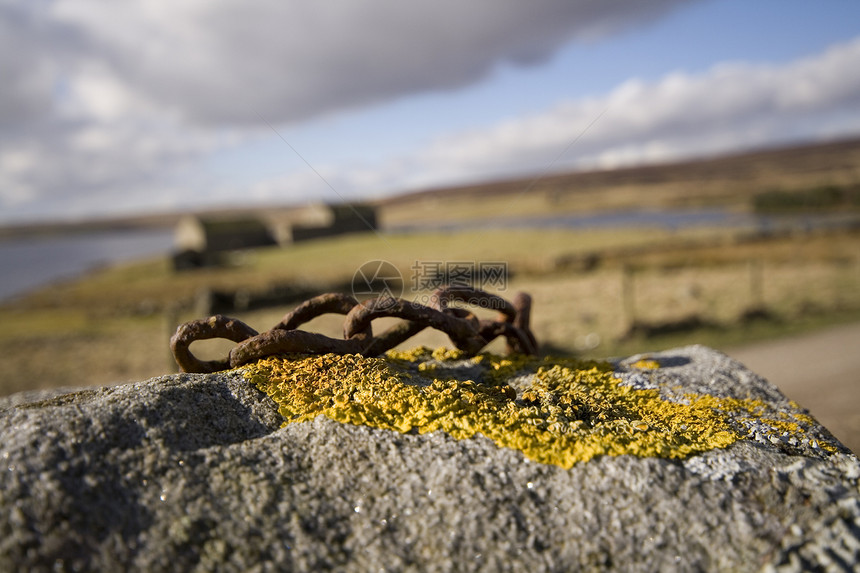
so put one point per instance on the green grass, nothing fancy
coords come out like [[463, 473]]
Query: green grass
[[819, 198]]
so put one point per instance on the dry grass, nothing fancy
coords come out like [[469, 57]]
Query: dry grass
[[113, 326], [595, 309], [151, 285]]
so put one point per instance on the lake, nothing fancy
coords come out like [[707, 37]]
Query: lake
[[26, 263], [32, 262], [669, 219]]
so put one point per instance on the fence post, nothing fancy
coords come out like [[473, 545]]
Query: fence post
[[756, 274], [628, 294]]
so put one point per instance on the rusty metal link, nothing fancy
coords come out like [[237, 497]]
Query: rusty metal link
[[465, 330], [213, 327], [513, 322]]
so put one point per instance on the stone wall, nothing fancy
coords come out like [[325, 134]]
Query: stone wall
[[187, 471]]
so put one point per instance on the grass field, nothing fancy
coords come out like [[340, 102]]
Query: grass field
[[678, 287], [596, 292]]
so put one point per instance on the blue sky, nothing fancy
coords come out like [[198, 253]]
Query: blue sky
[[691, 39], [150, 106]]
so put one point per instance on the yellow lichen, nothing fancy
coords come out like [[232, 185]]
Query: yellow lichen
[[562, 411], [565, 411], [646, 364], [773, 422]]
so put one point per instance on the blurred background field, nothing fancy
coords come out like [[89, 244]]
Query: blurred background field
[[599, 290], [646, 290]]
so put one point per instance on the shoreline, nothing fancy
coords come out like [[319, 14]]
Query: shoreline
[[34, 262]]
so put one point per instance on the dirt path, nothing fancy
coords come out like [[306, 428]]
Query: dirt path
[[820, 371]]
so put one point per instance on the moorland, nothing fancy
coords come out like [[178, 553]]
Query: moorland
[[598, 291]]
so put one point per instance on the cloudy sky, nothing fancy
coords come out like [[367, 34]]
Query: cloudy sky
[[151, 105]]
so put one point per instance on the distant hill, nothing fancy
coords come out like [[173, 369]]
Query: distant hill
[[796, 164], [730, 181]]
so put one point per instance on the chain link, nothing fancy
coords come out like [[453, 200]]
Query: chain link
[[468, 333]]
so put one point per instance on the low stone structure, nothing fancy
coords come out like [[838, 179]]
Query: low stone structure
[[202, 241], [683, 460], [333, 220]]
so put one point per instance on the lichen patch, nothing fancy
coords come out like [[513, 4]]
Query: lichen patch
[[554, 411]]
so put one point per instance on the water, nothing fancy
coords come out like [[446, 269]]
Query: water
[[670, 219], [664, 219], [33, 262]]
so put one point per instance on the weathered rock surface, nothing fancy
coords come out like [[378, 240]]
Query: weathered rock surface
[[188, 472]]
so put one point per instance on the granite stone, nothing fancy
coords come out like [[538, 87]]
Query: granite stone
[[197, 472]]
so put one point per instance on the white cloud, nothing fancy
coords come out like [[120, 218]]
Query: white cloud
[[94, 94], [232, 60], [112, 102], [73, 168], [728, 108], [26, 66]]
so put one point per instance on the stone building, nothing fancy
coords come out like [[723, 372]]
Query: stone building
[[327, 220], [200, 241]]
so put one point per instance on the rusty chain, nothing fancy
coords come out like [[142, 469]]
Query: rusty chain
[[468, 333]]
